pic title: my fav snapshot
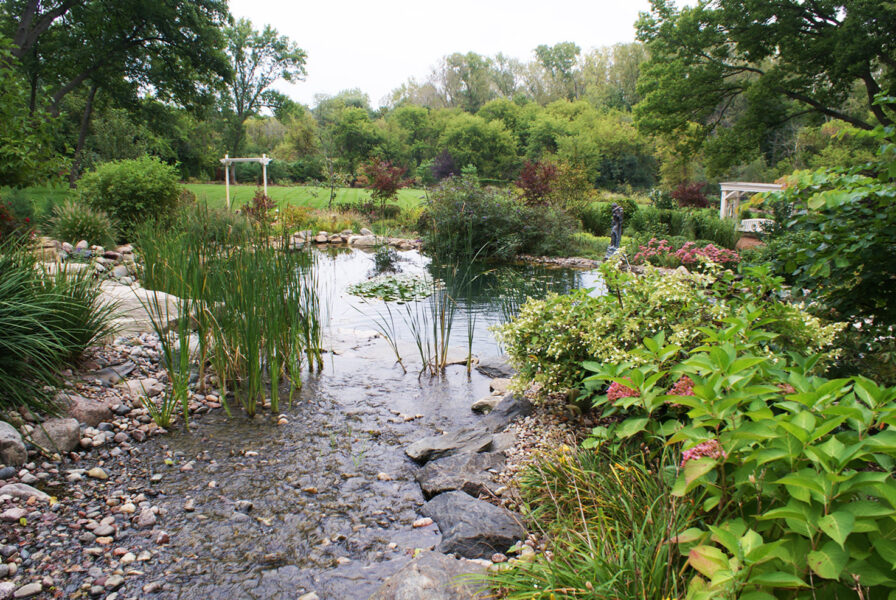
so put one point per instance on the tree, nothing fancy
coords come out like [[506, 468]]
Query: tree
[[383, 179], [560, 62], [259, 59], [741, 68], [488, 146], [466, 80], [27, 155]]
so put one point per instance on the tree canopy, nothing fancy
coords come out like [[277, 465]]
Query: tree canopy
[[740, 69]]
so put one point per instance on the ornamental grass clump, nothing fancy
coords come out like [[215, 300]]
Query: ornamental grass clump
[[47, 320]]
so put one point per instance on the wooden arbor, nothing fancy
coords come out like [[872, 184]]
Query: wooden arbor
[[227, 161], [732, 191]]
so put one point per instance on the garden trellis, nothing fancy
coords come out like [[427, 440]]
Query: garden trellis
[[227, 161]]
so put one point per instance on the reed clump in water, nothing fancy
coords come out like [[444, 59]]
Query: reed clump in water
[[250, 304]]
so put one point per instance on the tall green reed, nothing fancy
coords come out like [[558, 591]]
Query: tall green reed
[[254, 304]]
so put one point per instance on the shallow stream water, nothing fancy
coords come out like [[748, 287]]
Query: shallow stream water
[[333, 495]]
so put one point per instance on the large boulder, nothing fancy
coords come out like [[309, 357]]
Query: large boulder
[[462, 441], [89, 411], [469, 473], [131, 303], [432, 576], [473, 528], [57, 435], [12, 448]]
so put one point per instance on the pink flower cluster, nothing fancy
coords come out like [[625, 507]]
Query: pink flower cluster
[[655, 248], [661, 252], [617, 391], [690, 252], [683, 387], [709, 448]]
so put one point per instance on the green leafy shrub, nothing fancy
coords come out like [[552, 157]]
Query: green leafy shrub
[[467, 220], [691, 224], [551, 338], [47, 320], [132, 191], [791, 472], [73, 221]]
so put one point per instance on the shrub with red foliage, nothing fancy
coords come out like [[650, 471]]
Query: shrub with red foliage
[[536, 181], [260, 207], [383, 179], [691, 194]]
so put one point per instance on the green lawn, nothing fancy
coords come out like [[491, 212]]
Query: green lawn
[[43, 197], [213, 194]]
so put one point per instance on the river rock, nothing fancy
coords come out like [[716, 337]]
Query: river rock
[[473, 528], [495, 367], [469, 473], [112, 375], [432, 576], [456, 442], [363, 241], [89, 411], [120, 271], [23, 491], [486, 404], [365, 231], [28, 590], [57, 435], [500, 385], [12, 448]]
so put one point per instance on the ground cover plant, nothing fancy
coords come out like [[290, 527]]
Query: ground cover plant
[[48, 320], [660, 253]]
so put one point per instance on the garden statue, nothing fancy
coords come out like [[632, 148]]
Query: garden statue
[[615, 231]]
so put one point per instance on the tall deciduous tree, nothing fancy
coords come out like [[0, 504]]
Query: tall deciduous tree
[[740, 68], [259, 59]]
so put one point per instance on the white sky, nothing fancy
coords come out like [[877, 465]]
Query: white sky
[[378, 45]]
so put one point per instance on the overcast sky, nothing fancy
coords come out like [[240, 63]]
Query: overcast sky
[[378, 45]]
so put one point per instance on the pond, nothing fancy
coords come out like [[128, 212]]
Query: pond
[[333, 495]]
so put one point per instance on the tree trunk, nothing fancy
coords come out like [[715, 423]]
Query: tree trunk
[[82, 136]]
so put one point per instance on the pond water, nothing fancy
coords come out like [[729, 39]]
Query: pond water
[[334, 497], [484, 294]]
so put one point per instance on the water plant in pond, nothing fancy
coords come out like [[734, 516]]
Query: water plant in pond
[[401, 288]]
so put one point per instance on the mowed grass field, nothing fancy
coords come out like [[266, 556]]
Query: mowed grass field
[[213, 194], [44, 197]]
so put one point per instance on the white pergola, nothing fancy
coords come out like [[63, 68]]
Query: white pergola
[[732, 191], [227, 161]]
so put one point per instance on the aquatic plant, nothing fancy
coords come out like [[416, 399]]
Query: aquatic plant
[[401, 288]]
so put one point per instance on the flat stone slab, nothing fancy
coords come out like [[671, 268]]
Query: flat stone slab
[[473, 528], [114, 374], [433, 576], [131, 315], [23, 491], [470, 473], [511, 407], [463, 441]]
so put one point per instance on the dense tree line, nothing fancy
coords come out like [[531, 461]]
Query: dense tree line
[[731, 89]]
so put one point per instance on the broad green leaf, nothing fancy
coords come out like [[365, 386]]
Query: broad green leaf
[[837, 525], [777, 579], [691, 473], [885, 548], [828, 562], [630, 427], [707, 560]]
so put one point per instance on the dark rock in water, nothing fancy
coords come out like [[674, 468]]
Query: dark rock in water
[[57, 435], [455, 442], [473, 528], [511, 407], [12, 448], [112, 375], [468, 473], [432, 576], [494, 367], [7, 472]]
